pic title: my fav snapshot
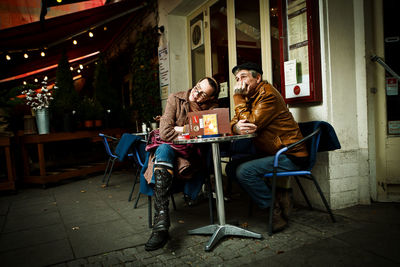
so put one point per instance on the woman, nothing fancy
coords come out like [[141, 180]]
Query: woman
[[174, 122]]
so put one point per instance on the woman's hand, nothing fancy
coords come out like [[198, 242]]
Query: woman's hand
[[178, 129]]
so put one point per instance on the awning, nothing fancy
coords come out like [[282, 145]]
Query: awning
[[55, 35]]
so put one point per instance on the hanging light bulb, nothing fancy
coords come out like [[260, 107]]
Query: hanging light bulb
[[26, 55], [36, 80], [42, 53], [8, 57], [91, 34], [81, 66], [45, 78], [71, 68], [79, 71], [24, 82], [59, 1], [75, 42]]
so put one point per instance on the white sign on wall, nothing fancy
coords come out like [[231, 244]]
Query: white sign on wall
[[163, 59]]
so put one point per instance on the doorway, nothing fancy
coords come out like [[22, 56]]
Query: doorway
[[386, 100]]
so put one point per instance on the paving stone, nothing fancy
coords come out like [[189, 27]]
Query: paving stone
[[151, 260], [118, 238]]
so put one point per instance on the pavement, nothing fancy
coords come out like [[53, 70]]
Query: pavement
[[80, 223]]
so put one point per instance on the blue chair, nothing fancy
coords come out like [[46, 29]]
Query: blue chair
[[177, 187], [139, 156], [319, 136], [121, 151]]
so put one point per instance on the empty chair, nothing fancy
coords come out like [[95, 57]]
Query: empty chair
[[319, 136], [139, 156], [120, 152]]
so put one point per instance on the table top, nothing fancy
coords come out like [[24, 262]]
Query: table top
[[65, 136], [139, 134], [218, 139]]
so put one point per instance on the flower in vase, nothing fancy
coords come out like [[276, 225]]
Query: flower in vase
[[40, 98]]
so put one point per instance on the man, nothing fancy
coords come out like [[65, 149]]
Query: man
[[260, 108], [174, 122]]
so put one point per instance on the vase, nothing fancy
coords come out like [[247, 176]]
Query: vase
[[42, 120], [88, 123]]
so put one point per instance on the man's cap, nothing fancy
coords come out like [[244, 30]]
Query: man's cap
[[248, 66]]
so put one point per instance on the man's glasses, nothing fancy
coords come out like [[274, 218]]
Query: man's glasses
[[200, 93]]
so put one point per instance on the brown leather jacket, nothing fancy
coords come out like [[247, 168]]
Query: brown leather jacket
[[176, 112], [276, 126]]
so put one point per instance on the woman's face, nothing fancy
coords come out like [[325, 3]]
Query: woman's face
[[201, 92]]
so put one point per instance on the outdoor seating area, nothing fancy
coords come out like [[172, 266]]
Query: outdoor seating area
[[80, 223], [199, 133]]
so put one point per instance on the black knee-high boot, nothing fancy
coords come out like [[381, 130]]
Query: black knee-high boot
[[162, 191]]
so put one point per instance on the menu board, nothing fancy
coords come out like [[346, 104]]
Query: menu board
[[297, 60]]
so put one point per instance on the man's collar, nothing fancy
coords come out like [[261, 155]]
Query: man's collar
[[257, 90]]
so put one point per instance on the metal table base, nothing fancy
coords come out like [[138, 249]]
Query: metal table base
[[218, 231]]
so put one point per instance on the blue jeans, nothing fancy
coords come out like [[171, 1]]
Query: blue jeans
[[248, 171], [165, 155]]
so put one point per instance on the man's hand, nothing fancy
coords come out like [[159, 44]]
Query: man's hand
[[244, 127], [240, 88]]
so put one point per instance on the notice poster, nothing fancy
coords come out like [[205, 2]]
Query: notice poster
[[210, 124], [297, 84], [163, 59], [392, 86]]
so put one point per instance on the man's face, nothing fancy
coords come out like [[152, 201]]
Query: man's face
[[245, 79]]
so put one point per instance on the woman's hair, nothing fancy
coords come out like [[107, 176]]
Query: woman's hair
[[213, 83]]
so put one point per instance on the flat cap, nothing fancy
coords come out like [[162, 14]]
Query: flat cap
[[248, 66]]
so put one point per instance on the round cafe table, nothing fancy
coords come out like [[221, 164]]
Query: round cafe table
[[220, 230]]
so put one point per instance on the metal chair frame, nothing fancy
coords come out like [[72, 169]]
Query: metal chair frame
[[112, 157], [297, 174]]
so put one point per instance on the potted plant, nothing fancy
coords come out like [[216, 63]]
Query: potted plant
[[12, 109], [86, 112], [145, 70], [39, 101], [105, 94], [98, 113], [66, 98]]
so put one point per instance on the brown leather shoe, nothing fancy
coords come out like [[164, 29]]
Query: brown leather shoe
[[278, 222], [285, 200]]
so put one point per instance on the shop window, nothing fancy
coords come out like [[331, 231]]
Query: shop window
[[300, 57], [248, 34], [275, 51], [197, 48], [219, 49]]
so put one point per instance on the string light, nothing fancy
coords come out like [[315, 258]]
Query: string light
[[105, 28], [91, 34], [24, 82], [71, 68], [79, 71], [75, 42], [81, 66], [59, 1], [36, 80], [43, 54], [8, 57], [26, 55]]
